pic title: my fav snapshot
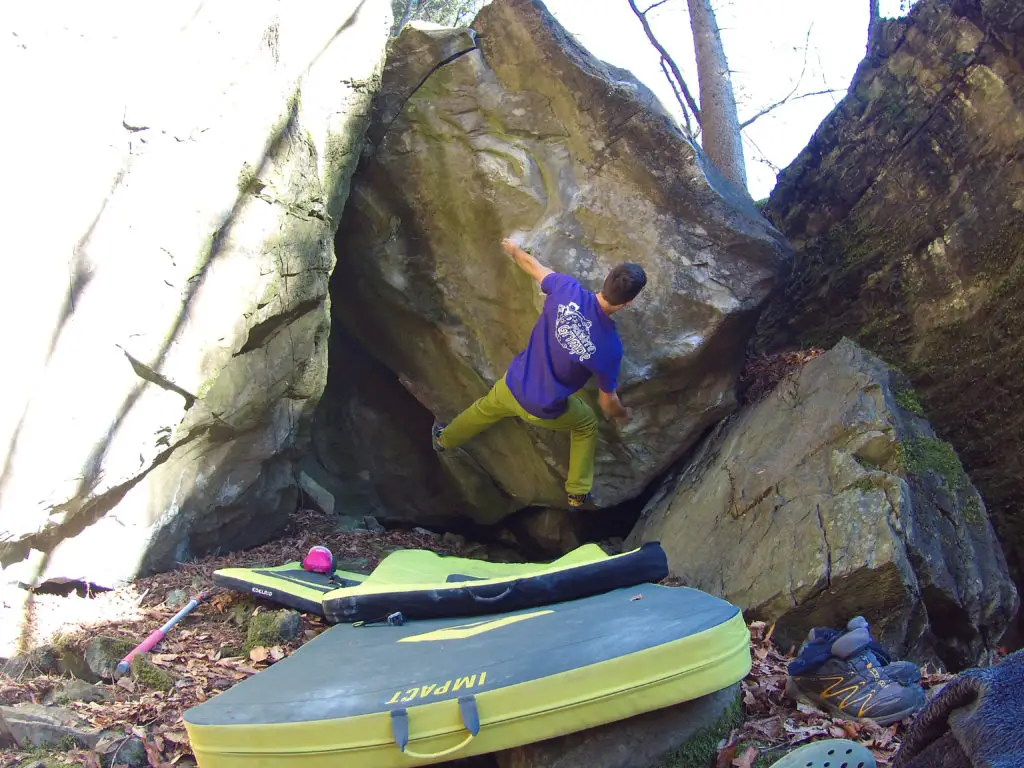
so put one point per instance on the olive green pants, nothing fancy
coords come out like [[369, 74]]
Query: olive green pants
[[578, 420]]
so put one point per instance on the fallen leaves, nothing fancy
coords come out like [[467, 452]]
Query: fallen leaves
[[204, 657], [127, 683], [746, 760], [762, 373], [201, 653], [775, 723]]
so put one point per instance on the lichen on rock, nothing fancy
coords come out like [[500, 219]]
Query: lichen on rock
[[905, 212], [507, 128], [826, 500], [104, 653]]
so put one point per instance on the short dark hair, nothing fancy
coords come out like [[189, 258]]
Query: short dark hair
[[623, 283]]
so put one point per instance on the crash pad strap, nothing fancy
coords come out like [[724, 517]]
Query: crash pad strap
[[400, 728]]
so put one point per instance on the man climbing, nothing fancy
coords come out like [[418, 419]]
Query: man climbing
[[573, 339]]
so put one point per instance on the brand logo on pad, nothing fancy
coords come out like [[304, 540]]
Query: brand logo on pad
[[462, 631], [264, 592]]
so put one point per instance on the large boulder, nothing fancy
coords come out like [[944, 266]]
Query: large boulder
[[906, 213], [512, 127], [832, 498], [166, 324]]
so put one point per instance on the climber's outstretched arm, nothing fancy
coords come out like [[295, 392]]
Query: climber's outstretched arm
[[526, 262]]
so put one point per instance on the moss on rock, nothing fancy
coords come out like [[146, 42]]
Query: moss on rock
[[907, 400], [104, 653], [143, 671], [271, 628], [920, 455]]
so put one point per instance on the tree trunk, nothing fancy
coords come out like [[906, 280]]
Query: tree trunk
[[410, 9], [720, 124]]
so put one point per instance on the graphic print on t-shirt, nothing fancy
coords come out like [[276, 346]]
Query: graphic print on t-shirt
[[572, 330]]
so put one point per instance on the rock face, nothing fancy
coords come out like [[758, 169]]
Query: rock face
[[832, 498], [167, 323], [906, 213], [511, 127], [371, 451]]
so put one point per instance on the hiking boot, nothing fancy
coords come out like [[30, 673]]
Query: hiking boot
[[435, 435], [856, 689], [823, 642], [857, 639], [850, 675]]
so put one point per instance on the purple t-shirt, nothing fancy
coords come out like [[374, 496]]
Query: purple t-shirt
[[572, 340]]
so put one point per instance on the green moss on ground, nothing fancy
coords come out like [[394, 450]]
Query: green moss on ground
[[702, 748], [147, 674], [54, 756]]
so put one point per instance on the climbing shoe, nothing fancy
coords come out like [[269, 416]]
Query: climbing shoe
[[579, 500], [851, 676], [435, 435]]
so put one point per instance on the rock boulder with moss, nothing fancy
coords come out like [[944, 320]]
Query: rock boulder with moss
[[146, 673], [513, 128], [906, 213], [269, 628], [831, 498], [104, 653]]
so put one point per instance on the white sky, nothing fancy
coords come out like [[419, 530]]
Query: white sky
[[764, 41]]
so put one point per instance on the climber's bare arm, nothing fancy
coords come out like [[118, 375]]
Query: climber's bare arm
[[526, 262], [613, 407]]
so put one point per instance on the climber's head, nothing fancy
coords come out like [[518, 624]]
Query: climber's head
[[622, 285]]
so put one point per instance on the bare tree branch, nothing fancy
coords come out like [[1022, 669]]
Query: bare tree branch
[[678, 95], [667, 60], [791, 97], [651, 8], [796, 85], [763, 157]]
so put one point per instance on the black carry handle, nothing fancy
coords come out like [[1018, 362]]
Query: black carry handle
[[470, 719], [494, 598]]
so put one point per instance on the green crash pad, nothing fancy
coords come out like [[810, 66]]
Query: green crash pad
[[422, 584], [427, 691]]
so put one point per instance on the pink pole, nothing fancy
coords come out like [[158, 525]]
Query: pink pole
[[157, 635]]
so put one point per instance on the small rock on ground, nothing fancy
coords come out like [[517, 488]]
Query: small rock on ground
[[76, 690], [104, 653], [271, 628], [36, 725], [176, 599]]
